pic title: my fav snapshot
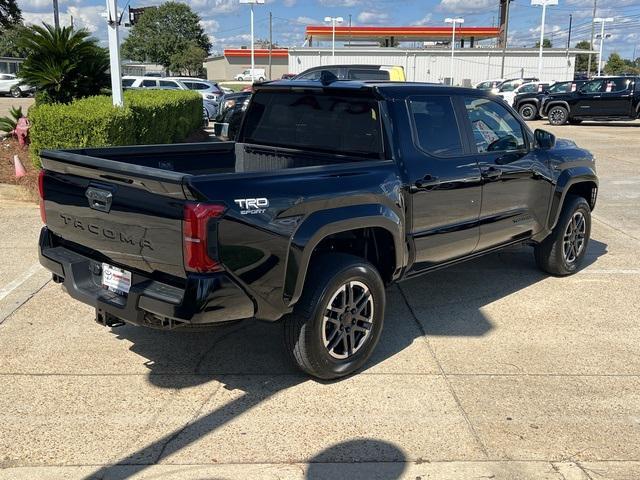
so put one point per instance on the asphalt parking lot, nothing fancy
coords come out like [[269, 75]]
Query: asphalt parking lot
[[489, 369]]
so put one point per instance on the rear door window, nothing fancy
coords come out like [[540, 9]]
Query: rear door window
[[169, 84], [149, 83], [334, 123], [435, 125]]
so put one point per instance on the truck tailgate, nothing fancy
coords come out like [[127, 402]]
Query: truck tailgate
[[124, 217]]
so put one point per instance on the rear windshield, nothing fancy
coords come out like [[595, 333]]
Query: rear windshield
[[348, 125]]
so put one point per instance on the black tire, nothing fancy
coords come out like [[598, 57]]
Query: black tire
[[305, 330], [575, 121], [261, 79], [558, 115], [528, 111], [16, 92], [551, 253]]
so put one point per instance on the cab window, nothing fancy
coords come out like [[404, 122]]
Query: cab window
[[435, 125], [494, 128]]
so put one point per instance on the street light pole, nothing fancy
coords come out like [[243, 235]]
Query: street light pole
[[602, 21], [593, 23], [544, 4], [253, 59], [453, 21], [114, 52], [333, 21]]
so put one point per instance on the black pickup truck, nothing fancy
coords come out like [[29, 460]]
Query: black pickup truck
[[333, 191], [529, 105], [602, 99]]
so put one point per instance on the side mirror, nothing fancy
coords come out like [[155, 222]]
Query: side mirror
[[544, 140]]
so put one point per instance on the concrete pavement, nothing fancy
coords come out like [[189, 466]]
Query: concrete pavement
[[488, 369]]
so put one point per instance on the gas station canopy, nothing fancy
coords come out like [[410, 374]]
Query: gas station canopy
[[399, 34]]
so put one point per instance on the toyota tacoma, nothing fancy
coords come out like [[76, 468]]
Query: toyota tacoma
[[333, 191]]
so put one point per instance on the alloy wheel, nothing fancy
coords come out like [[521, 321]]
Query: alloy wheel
[[347, 320], [574, 238], [557, 116]]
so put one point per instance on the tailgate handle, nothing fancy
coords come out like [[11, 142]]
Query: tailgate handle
[[99, 199]]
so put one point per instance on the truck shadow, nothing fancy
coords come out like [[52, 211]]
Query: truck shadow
[[248, 358]]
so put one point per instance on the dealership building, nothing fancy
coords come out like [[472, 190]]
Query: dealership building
[[423, 52]]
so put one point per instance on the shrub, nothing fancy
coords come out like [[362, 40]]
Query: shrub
[[149, 116], [63, 63]]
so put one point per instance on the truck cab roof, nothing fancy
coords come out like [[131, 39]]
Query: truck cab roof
[[387, 89]]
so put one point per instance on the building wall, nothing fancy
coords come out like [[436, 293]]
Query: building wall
[[225, 68], [433, 65]]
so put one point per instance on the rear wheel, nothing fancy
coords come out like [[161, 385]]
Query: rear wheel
[[528, 111], [562, 252], [558, 115], [338, 320]]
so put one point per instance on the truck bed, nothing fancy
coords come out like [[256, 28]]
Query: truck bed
[[195, 158]]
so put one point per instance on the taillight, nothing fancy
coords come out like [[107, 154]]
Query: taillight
[[43, 214], [195, 236]]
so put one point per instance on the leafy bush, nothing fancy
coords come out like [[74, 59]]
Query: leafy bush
[[8, 124], [148, 117], [63, 63]]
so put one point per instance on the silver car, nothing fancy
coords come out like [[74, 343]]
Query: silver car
[[208, 90]]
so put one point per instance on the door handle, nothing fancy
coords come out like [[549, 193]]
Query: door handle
[[426, 181], [491, 173]]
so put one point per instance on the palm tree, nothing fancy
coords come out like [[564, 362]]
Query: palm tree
[[63, 63]]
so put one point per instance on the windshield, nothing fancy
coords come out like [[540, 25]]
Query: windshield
[[340, 124], [510, 86]]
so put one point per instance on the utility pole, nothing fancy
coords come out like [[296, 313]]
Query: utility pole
[[593, 23], [270, 41], [114, 52], [349, 29], [56, 14], [566, 74], [505, 36]]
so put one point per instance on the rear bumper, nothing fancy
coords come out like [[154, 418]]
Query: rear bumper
[[205, 299]]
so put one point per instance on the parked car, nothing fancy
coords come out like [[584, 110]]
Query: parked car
[[531, 87], [209, 106], [10, 85], [489, 85], [322, 202], [258, 74], [511, 84], [602, 99], [529, 105], [229, 117], [356, 72], [208, 90]]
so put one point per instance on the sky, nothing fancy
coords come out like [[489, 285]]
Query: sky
[[227, 22]]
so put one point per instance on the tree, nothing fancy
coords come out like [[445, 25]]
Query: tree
[[189, 61], [10, 14], [163, 32], [9, 42], [63, 64], [546, 43], [615, 65], [582, 59]]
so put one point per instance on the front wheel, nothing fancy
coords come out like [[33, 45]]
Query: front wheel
[[528, 111], [562, 252], [16, 92], [558, 115], [338, 320]]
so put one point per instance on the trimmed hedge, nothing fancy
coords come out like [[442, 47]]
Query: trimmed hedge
[[148, 117]]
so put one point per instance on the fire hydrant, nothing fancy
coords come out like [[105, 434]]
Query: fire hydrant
[[22, 131]]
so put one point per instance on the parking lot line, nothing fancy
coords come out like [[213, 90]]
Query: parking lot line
[[17, 282]]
